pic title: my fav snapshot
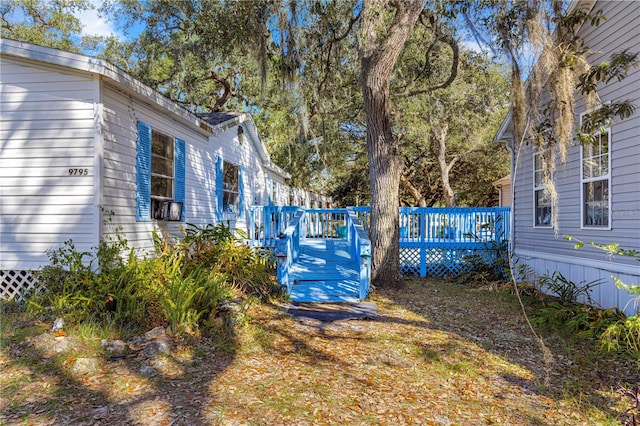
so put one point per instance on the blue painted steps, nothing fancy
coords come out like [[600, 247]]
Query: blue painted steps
[[324, 272]]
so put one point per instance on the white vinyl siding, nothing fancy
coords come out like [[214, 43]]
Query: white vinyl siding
[[121, 115], [540, 246], [47, 162]]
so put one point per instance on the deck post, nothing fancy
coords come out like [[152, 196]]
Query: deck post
[[423, 246]]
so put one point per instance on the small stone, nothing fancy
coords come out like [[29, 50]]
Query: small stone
[[114, 347], [139, 342], [157, 347], [84, 366], [147, 370]]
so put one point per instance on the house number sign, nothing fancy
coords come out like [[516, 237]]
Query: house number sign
[[78, 172]]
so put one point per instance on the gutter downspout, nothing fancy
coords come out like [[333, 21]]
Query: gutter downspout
[[512, 190]]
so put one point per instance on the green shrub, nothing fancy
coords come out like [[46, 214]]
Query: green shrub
[[79, 285], [487, 266], [182, 285], [203, 269], [623, 335], [567, 292], [220, 249]]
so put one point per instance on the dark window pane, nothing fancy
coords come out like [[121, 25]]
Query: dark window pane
[[162, 149], [230, 202], [596, 203], [161, 187], [230, 177], [543, 208], [161, 145], [162, 167]]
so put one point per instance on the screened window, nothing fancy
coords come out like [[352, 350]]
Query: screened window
[[230, 188], [162, 166], [160, 175], [542, 197], [595, 181]]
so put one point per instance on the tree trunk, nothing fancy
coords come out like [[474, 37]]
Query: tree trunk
[[421, 201], [440, 136], [378, 58]]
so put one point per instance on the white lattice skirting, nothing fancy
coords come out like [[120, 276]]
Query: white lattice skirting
[[15, 283]]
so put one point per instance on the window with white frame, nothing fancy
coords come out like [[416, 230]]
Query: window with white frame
[[162, 158], [542, 196], [596, 180], [230, 188]]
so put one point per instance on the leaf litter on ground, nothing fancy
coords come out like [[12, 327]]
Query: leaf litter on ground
[[439, 354]]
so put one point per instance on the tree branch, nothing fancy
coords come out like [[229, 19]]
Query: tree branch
[[226, 95], [453, 44]]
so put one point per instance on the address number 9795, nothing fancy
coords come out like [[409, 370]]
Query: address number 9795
[[78, 172]]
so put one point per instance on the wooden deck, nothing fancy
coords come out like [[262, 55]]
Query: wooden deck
[[324, 272], [324, 255]]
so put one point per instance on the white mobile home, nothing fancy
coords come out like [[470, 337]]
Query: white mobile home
[[82, 141], [598, 186]]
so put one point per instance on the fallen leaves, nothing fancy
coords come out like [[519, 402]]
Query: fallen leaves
[[433, 359]]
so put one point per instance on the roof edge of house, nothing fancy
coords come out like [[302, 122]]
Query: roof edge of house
[[93, 65]]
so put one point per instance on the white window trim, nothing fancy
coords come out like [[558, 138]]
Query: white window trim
[[535, 189], [173, 164], [599, 178], [229, 191]]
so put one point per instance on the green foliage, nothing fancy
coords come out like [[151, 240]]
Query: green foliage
[[615, 69], [222, 250], [489, 265], [563, 310], [567, 292], [183, 285], [447, 134], [624, 334], [97, 283], [610, 327], [47, 23], [582, 320]]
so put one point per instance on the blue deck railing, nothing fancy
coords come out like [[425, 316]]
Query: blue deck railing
[[360, 250], [266, 223], [433, 241], [321, 224], [288, 247]]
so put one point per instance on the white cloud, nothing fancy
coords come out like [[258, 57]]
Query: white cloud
[[474, 46], [93, 24]]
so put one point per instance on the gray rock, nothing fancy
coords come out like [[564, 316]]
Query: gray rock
[[48, 345], [157, 347], [139, 342], [114, 347], [147, 370], [84, 366]]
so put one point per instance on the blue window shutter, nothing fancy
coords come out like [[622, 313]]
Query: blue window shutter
[[143, 173], [219, 183], [180, 171], [241, 190]]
